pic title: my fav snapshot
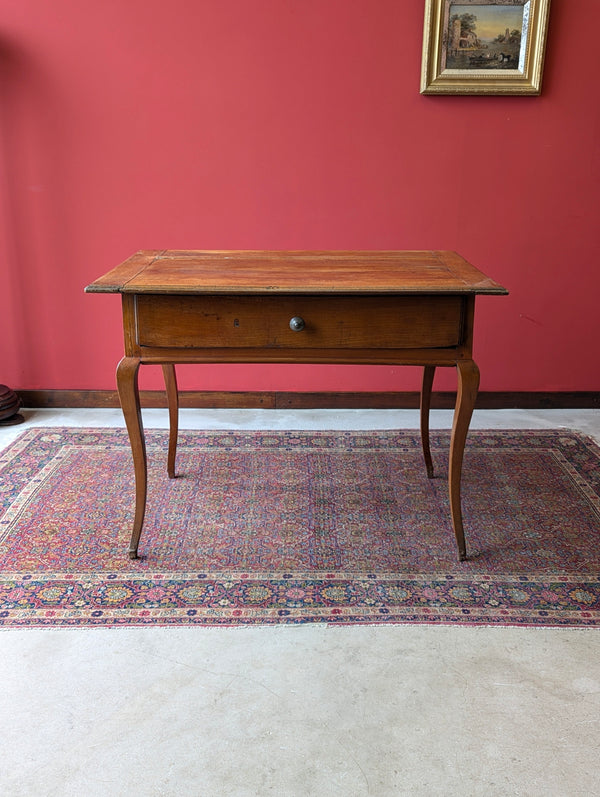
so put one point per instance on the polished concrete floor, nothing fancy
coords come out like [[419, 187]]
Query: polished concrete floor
[[305, 710]]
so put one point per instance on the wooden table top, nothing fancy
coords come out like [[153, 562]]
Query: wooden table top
[[324, 272]]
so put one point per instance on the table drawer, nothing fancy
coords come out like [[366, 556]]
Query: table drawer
[[340, 322]]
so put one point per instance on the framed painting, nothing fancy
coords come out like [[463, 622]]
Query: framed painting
[[484, 46]]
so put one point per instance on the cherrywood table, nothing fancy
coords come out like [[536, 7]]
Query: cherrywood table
[[381, 307]]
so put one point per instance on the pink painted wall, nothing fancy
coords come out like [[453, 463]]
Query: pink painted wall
[[129, 124]]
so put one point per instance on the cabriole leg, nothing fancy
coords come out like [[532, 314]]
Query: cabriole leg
[[173, 405], [468, 385], [428, 374], [127, 385]]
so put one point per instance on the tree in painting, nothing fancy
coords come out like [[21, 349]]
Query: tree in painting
[[463, 32], [468, 23]]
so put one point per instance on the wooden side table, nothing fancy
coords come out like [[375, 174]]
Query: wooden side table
[[379, 308]]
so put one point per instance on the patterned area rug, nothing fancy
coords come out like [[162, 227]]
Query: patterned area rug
[[292, 527]]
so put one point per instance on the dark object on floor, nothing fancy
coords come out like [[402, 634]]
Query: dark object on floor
[[10, 404]]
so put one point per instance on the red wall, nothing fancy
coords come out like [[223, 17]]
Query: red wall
[[131, 124]]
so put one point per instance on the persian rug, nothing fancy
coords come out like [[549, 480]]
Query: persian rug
[[294, 527]]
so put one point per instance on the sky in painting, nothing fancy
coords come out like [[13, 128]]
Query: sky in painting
[[491, 19]]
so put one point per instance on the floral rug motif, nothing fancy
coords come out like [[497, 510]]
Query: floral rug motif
[[294, 527]]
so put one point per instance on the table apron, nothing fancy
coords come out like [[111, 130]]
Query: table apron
[[401, 330]]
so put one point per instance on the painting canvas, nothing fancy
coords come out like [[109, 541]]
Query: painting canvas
[[484, 46], [486, 36]]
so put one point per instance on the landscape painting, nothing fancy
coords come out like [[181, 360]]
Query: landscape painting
[[486, 36], [484, 46]]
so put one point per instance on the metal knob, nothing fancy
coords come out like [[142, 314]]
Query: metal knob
[[297, 324]]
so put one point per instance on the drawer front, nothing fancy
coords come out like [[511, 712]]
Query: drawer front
[[339, 322]]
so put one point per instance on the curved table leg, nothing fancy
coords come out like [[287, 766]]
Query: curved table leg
[[428, 374], [127, 385], [468, 384], [173, 405]]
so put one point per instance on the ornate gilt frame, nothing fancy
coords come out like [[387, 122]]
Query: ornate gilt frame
[[495, 77]]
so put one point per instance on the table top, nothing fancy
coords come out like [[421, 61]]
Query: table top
[[323, 272]]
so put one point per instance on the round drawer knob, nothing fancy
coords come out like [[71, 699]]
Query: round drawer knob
[[297, 324]]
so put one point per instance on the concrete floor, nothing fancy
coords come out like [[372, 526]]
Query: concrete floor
[[305, 710]]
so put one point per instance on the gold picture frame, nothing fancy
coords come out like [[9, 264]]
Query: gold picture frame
[[484, 46]]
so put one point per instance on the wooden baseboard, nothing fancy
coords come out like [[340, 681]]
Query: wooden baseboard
[[282, 400]]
